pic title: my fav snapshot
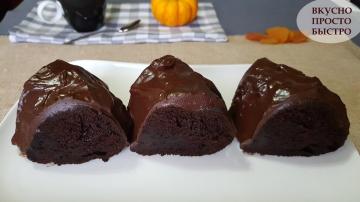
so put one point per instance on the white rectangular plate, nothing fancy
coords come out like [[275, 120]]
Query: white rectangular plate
[[228, 175]]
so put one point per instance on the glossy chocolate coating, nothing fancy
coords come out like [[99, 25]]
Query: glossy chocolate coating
[[268, 88], [60, 86], [170, 82]]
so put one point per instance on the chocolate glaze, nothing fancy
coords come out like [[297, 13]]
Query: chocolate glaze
[[59, 86], [169, 81], [267, 88]]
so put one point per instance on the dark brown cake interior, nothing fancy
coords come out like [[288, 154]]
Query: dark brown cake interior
[[172, 130], [304, 129], [78, 134]]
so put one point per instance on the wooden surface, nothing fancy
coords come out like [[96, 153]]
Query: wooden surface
[[337, 66]]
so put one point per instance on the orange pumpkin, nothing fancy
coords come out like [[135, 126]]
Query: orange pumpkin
[[174, 12]]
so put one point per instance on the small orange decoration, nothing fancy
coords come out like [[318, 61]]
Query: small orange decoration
[[269, 40], [174, 12], [276, 35], [281, 34], [254, 36], [298, 37]]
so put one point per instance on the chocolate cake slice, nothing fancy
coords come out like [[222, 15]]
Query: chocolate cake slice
[[280, 111], [177, 111], [66, 115]]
